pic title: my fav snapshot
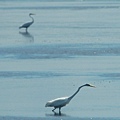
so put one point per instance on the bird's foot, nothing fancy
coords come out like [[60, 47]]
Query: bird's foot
[[59, 112], [55, 113]]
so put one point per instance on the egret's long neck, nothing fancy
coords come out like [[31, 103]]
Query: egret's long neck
[[32, 18], [75, 92]]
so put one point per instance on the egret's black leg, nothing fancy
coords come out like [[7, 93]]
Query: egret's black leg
[[59, 110], [26, 29], [53, 110]]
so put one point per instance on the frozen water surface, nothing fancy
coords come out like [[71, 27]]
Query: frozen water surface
[[71, 43]]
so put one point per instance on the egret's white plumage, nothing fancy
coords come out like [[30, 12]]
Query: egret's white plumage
[[57, 102], [63, 101], [28, 24]]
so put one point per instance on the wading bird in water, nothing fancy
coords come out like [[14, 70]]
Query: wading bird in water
[[63, 101], [28, 24]]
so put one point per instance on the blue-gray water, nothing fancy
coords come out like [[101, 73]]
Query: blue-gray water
[[72, 42]]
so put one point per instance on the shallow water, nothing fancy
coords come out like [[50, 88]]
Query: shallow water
[[71, 43]]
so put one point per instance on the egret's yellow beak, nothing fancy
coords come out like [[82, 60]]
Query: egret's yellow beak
[[92, 86]]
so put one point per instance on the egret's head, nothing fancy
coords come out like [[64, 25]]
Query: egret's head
[[31, 14], [89, 85]]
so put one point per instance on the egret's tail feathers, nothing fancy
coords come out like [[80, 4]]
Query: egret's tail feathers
[[20, 27], [46, 105]]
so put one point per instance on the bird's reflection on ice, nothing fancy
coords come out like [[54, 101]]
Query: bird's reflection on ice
[[29, 37]]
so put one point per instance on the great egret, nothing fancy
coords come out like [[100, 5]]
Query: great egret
[[63, 101], [26, 25]]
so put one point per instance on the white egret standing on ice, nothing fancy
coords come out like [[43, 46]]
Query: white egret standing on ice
[[63, 101], [28, 24]]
